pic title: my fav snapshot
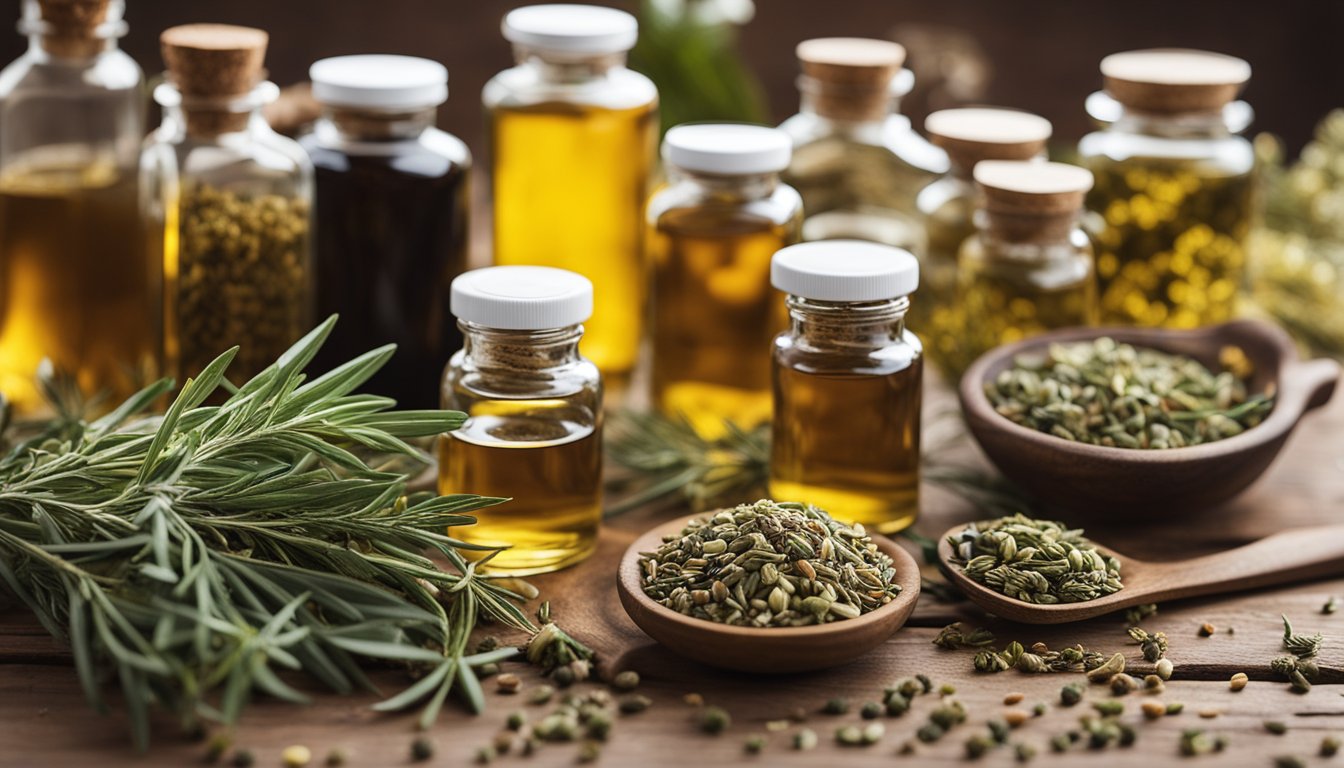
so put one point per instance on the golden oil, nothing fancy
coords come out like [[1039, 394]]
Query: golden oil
[[847, 384], [550, 468], [76, 284], [1170, 240], [570, 182]]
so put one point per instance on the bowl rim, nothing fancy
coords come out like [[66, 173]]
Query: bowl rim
[[630, 581], [971, 391]]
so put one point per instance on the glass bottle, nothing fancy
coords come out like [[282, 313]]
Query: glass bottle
[[1173, 201], [231, 202], [573, 134], [1029, 267], [392, 214], [75, 284], [856, 161], [534, 416], [712, 232], [946, 207], [847, 383]]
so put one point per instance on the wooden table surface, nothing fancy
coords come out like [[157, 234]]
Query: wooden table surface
[[44, 720]]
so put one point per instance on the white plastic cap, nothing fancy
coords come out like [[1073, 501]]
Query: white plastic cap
[[844, 270], [522, 298], [379, 81], [727, 148], [571, 28]]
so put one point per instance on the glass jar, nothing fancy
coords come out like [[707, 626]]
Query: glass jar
[[1173, 201], [572, 138], [533, 432], [232, 201], [856, 161], [712, 232], [1029, 268], [947, 206], [392, 215], [847, 383], [76, 286]]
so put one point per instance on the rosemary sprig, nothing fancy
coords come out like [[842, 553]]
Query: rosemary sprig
[[196, 554]]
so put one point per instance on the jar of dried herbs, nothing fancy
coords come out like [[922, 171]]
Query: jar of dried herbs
[[1172, 204], [946, 207], [232, 200], [1028, 269]]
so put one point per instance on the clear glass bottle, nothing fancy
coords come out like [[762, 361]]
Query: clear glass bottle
[[392, 216], [1029, 268], [856, 160], [947, 208], [1174, 195], [534, 416], [847, 383], [231, 201], [572, 139], [76, 286], [712, 232]]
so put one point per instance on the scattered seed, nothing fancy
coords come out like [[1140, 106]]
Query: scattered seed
[[775, 726], [589, 752], [632, 705], [1331, 605], [1275, 727], [219, 744], [1016, 717], [873, 732], [1040, 708], [978, 745], [835, 707], [999, 730], [715, 720], [1164, 668], [487, 669], [626, 681], [242, 759], [1071, 694], [694, 699], [1329, 746], [798, 715], [1153, 709], [422, 749], [1238, 681], [296, 756], [871, 711], [508, 683], [806, 738], [907, 748], [1209, 714], [930, 732], [1122, 684], [1013, 698], [337, 758], [1061, 743], [1154, 684], [925, 682], [754, 744], [1109, 708], [1175, 708], [1113, 666], [1289, 761], [1023, 752], [503, 742], [1207, 630], [542, 694]]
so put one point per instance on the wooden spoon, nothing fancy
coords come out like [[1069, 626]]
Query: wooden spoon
[[1296, 555]]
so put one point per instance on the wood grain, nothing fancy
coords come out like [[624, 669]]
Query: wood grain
[[45, 722]]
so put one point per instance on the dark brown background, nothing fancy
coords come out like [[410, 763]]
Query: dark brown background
[[1044, 52]]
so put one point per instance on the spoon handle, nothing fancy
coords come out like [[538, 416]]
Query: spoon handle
[[1296, 555]]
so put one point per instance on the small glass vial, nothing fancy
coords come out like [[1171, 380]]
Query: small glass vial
[[392, 213], [534, 416], [76, 286], [1174, 195], [1028, 268], [847, 383], [712, 232], [856, 161], [573, 134], [231, 201], [947, 208]]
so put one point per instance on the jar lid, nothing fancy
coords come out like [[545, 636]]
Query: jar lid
[[1018, 186], [844, 270], [855, 61], [214, 59], [1166, 80], [571, 28], [727, 148], [973, 134], [521, 298], [379, 81]]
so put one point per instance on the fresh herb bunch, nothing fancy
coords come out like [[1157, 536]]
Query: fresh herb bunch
[[192, 556]]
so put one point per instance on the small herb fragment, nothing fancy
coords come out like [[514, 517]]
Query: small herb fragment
[[953, 638], [715, 720]]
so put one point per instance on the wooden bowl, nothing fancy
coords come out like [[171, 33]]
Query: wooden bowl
[[771, 650], [1100, 481]]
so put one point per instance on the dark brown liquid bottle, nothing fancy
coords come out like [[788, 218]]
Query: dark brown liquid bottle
[[392, 213]]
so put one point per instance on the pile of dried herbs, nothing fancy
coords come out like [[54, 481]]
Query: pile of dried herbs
[[1035, 561], [195, 556]]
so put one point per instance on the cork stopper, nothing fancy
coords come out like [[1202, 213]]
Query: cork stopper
[[71, 27], [849, 78], [1168, 81], [214, 62], [971, 135], [1031, 201]]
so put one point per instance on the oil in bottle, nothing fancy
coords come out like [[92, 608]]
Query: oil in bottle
[[712, 232], [847, 380], [533, 432]]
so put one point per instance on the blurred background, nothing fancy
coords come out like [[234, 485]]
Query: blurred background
[[1038, 55]]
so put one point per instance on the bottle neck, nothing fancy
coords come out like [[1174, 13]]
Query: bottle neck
[[354, 124], [521, 352], [1027, 236], [64, 33], [215, 116], [567, 69], [848, 325], [726, 189], [1230, 120]]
